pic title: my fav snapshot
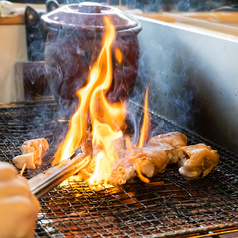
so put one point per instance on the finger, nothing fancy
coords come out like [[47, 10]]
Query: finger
[[7, 171]]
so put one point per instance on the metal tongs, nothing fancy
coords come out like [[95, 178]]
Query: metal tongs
[[49, 179]]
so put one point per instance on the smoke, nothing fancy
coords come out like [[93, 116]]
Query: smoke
[[160, 6], [167, 66], [67, 64]]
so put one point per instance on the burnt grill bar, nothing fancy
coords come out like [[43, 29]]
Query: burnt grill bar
[[74, 210]]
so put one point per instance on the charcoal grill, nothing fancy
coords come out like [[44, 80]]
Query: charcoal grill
[[179, 207]]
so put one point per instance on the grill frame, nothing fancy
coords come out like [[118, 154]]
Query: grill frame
[[130, 210]]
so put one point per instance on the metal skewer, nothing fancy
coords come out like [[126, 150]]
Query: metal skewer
[[49, 179]]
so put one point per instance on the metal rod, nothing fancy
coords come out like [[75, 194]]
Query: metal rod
[[49, 179]]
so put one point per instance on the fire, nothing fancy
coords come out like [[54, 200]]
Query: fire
[[106, 118], [118, 55], [146, 122]]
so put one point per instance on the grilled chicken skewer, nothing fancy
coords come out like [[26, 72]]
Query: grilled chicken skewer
[[175, 139], [32, 153], [154, 159], [145, 162], [169, 142], [194, 161], [148, 161]]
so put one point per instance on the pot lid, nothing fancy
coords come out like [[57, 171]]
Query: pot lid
[[88, 16]]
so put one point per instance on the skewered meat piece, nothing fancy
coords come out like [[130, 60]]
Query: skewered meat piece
[[32, 153], [29, 158], [169, 142], [175, 139], [173, 154], [148, 161], [39, 145], [122, 175], [197, 161], [18, 206]]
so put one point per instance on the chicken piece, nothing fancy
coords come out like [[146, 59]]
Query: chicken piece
[[32, 153], [175, 139], [197, 161], [29, 158], [148, 161], [169, 142], [122, 175], [38, 145], [173, 156], [18, 206]]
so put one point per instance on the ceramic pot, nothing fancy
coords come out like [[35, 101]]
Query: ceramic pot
[[74, 40]]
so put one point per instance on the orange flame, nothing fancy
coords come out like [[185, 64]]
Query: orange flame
[[146, 122], [118, 55], [106, 118]]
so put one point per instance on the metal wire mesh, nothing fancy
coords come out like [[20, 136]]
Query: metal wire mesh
[[74, 210]]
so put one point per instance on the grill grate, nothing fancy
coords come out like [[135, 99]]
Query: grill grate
[[74, 210]]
